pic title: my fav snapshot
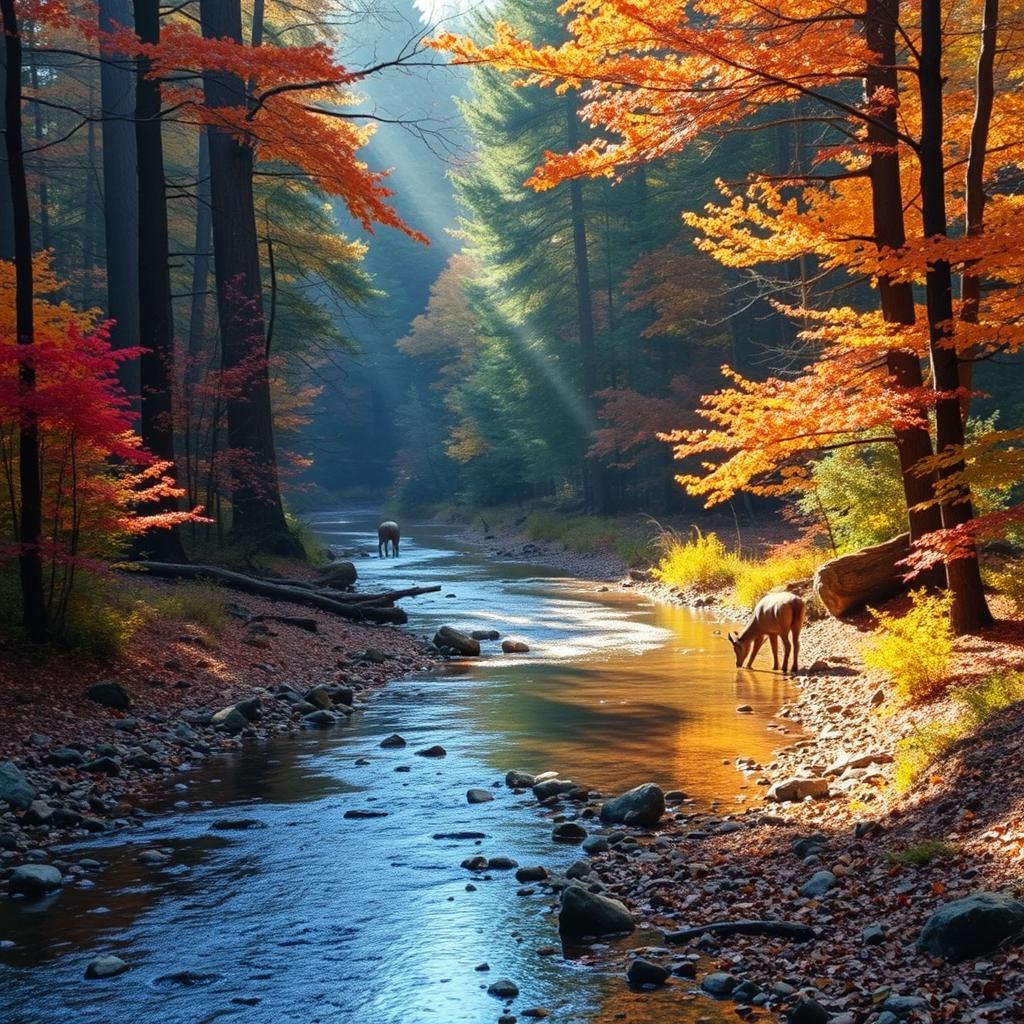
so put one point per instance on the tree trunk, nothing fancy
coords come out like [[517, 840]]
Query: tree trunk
[[585, 314], [970, 612], [974, 181], [30, 563], [156, 327], [120, 194], [897, 297], [256, 495], [201, 254], [6, 205]]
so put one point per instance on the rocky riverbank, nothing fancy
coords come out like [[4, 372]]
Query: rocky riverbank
[[84, 744]]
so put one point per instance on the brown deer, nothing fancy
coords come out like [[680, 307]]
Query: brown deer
[[779, 614], [387, 533]]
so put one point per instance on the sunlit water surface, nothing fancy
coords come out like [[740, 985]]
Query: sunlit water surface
[[320, 918]]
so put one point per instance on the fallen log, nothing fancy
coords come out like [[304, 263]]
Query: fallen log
[[392, 595], [774, 929], [274, 591], [871, 574]]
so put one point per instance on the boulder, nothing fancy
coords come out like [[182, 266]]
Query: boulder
[[533, 874], [807, 1011], [448, 637], [485, 634], [503, 989], [520, 780], [394, 740], [110, 695], [515, 647], [643, 972], [15, 789], [588, 913], [797, 789], [340, 574], [319, 698], [719, 983], [568, 832], [643, 805], [861, 577], [38, 813], [34, 880], [319, 719], [972, 926], [435, 751], [106, 967], [552, 787], [229, 720], [104, 765], [818, 884], [479, 796], [249, 708]]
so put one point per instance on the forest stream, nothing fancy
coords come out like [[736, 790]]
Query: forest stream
[[285, 922]]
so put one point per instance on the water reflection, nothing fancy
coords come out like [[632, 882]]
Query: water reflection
[[316, 917]]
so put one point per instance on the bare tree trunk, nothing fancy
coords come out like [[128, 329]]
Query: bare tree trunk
[[256, 495], [970, 611], [29, 470], [156, 326], [120, 193], [585, 314], [6, 204], [974, 181], [201, 252]]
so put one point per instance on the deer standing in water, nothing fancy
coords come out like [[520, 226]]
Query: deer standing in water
[[387, 532], [779, 614]]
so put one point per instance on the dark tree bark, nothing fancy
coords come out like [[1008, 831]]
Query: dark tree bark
[[585, 315], [120, 194], [897, 297], [156, 326], [201, 257], [255, 495], [29, 471], [970, 611], [6, 205], [974, 180]]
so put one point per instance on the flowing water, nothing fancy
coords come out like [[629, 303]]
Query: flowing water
[[318, 918]]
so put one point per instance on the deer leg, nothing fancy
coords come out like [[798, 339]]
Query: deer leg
[[380, 549], [753, 651], [774, 641], [796, 648], [785, 652]]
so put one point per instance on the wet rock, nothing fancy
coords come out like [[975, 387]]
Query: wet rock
[[552, 787], [807, 845], [745, 992], [15, 789], [106, 967], [319, 698], [319, 719], [568, 832], [478, 863], [797, 789], [142, 760], [109, 695], [485, 634], [435, 751], [818, 884], [595, 845], [479, 796], [153, 858], [394, 740], [578, 869], [719, 983], [534, 874], [971, 926], [66, 757], [38, 813], [643, 805], [459, 835], [587, 913], [356, 812], [229, 720], [807, 1011], [236, 824], [643, 972], [249, 709], [514, 647], [503, 989], [451, 639], [34, 880], [520, 780], [102, 766], [744, 709], [501, 864]]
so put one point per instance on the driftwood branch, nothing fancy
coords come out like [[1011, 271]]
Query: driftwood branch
[[274, 591], [775, 929]]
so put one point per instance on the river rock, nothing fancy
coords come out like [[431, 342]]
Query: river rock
[[797, 789], [435, 751], [236, 824], [568, 832], [841, 764], [394, 740], [501, 864], [448, 637], [503, 989], [34, 880], [106, 967], [319, 719], [229, 720], [972, 926], [105, 765], [552, 787], [15, 789], [588, 913], [818, 884], [110, 695], [485, 634], [66, 757], [595, 845], [719, 983], [479, 796], [38, 813], [643, 972], [318, 697], [643, 805], [356, 812], [807, 1011], [520, 780], [249, 708], [515, 647], [534, 874]]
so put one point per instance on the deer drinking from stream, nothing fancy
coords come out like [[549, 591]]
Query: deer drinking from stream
[[779, 614], [387, 532]]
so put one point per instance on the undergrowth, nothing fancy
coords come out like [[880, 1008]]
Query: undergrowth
[[703, 562], [921, 854]]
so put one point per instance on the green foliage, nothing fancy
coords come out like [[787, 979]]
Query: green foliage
[[102, 617], [914, 650], [201, 604], [1009, 581], [313, 549], [915, 753], [589, 533], [992, 694], [918, 855], [703, 562]]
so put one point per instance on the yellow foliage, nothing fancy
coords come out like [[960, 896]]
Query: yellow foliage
[[702, 562], [788, 565], [913, 650], [1009, 582]]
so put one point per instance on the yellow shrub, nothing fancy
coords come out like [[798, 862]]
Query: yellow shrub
[[917, 752], [913, 650], [1010, 582], [703, 562], [755, 579]]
